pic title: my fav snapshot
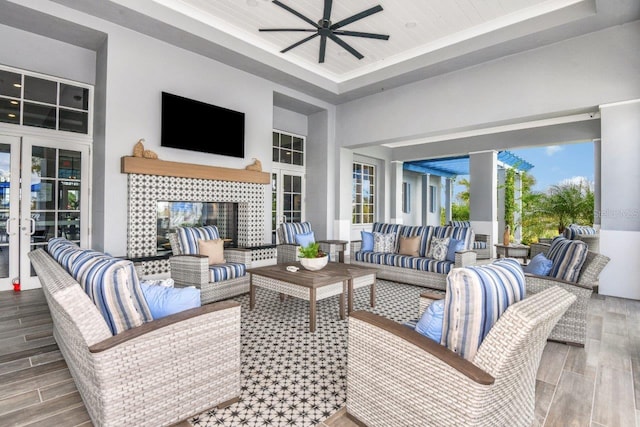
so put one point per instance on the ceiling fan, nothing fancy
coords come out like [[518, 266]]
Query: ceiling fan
[[326, 29]]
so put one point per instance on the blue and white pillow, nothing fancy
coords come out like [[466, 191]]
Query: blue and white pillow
[[430, 324], [305, 239], [539, 265], [384, 242], [568, 257], [164, 301], [475, 299], [188, 237], [367, 241], [439, 248], [455, 245]]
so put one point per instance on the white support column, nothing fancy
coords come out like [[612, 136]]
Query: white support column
[[501, 178], [448, 196], [396, 192], [426, 198], [483, 194]]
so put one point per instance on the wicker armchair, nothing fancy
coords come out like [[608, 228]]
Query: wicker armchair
[[287, 247], [194, 270], [397, 377], [157, 374], [572, 327]]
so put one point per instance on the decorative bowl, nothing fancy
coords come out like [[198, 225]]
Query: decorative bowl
[[314, 264]]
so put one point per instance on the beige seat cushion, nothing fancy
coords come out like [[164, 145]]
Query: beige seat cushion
[[214, 249], [409, 245]]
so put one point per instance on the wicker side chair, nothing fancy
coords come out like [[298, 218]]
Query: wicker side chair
[[194, 270], [572, 327], [397, 377], [287, 247]]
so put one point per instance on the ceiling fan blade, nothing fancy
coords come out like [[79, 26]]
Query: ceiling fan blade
[[359, 34], [306, 30], [355, 17], [327, 10], [306, 39], [323, 48], [346, 46], [295, 12]]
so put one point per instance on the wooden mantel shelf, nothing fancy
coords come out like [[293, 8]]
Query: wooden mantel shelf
[[143, 166]]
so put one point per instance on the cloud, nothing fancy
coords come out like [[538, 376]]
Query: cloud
[[553, 149]]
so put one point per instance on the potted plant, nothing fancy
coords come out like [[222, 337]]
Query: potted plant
[[311, 257]]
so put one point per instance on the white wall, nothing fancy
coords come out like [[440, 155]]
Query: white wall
[[290, 121], [32, 52], [414, 217], [620, 203], [574, 74]]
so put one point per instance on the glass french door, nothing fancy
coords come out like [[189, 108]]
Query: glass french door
[[287, 198], [43, 194]]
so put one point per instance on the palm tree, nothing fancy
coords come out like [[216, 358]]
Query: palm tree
[[569, 202]]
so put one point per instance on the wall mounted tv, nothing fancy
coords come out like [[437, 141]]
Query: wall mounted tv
[[197, 126]]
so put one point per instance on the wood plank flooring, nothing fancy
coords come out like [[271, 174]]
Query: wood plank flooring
[[595, 386]]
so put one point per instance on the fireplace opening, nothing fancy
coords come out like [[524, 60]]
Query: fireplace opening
[[172, 214]]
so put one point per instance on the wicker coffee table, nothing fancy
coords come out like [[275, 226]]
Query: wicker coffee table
[[334, 279]]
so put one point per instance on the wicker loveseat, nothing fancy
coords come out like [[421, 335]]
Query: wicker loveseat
[[156, 374], [420, 270], [397, 377], [216, 282], [287, 245], [572, 327]]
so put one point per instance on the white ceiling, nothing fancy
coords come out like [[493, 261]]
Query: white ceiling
[[448, 34]]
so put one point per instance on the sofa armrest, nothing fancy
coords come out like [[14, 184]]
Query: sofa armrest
[[155, 325], [287, 252], [435, 355], [242, 256], [465, 258], [190, 270], [426, 299], [552, 281], [484, 238]]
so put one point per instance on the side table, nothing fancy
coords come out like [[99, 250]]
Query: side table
[[338, 246], [513, 251]]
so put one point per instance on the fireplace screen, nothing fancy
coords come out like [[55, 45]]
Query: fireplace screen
[[223, 215]]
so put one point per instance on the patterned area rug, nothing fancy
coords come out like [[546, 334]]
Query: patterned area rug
[[291, 377]]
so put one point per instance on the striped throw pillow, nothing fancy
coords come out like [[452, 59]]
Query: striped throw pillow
[[113, 286], [188, 237], [568, 257], [466, 234], [476, 297], [288, 230]]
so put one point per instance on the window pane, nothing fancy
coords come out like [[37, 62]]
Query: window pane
[[297, 159], [43, 162], [297, 202], [287, 183], [74, 97], [40, 90], [368, 219], [297, 184], [42, 192], [10, 84], [9, 111], [74, 121], [69, 225], [297, 144], [275, 139], [288, 202], [39, 116], [69, 196], [286, 141], [296, 217], [276, 155]]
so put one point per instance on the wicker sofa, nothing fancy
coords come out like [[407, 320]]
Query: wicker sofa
[[156, 374], [421, 270], [572, 327], [397, 377]]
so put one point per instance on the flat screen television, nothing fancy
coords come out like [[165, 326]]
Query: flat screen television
[[193, 125]]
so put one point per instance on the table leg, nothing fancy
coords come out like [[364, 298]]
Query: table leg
[[372, 299], [350, 295], [252, 293], [341, 255], [342, 295], [312, 310]]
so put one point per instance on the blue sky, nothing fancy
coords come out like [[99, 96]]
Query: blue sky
[[554, 164]]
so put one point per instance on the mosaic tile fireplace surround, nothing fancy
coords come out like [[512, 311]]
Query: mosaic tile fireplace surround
[[146, 190]]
